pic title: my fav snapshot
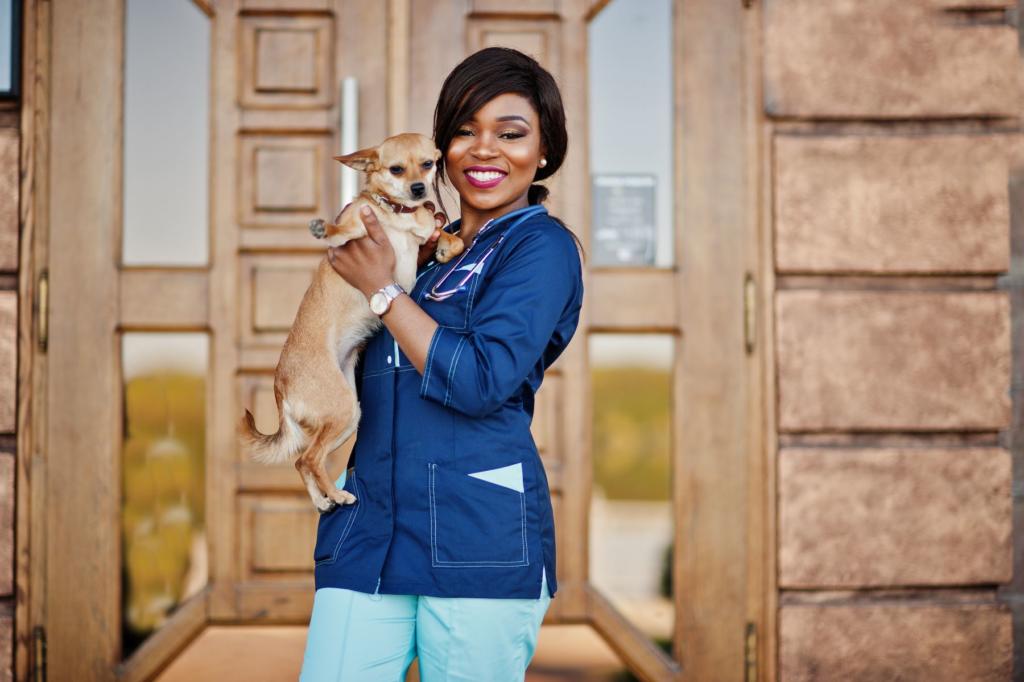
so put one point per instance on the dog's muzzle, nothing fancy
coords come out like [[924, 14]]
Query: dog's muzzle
[[419, 190]]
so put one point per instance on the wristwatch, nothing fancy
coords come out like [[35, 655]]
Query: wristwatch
[[380, 301]]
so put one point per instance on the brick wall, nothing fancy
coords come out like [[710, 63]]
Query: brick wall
[[895, 135]]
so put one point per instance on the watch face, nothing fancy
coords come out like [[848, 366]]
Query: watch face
[[378, 303]]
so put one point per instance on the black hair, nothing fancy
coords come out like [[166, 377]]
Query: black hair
[[481, 77]]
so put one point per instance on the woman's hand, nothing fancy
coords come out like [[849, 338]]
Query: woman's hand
[[367, 263]]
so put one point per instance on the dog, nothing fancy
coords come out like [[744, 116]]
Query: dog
[[314, 383]]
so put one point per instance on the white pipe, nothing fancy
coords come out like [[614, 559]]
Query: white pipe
[[349, 125]]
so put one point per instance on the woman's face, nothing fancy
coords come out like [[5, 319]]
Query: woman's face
[[492, 159]]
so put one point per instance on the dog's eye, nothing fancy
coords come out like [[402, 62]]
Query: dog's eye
[[428, 164], [396, 170]]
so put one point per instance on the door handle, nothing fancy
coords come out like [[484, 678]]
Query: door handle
[[749, 312]]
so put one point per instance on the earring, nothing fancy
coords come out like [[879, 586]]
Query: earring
[[543, 162]]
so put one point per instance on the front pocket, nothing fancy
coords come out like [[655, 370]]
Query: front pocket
[[477, 520], [334, 526]]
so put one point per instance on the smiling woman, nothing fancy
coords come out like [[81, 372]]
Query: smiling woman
[[501, 132], [493, 158], [456, 528]]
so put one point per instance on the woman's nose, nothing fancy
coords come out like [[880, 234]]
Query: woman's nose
[[483, 146]]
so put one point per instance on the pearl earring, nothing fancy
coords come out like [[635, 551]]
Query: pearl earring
[[543, 162]]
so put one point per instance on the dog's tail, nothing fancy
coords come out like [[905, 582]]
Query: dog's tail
[[274, 448]]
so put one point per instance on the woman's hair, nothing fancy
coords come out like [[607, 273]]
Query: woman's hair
[[481, 77]]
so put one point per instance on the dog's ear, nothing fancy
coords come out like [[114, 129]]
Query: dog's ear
[[365, 160], [437, 154]]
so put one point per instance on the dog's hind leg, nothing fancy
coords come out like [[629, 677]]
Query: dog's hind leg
[[311, 462], [321, 501], [319, 471]]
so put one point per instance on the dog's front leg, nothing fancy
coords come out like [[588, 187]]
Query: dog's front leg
[[338, 234]]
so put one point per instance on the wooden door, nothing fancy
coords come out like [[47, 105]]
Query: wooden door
[[266, 100], [274, 116]]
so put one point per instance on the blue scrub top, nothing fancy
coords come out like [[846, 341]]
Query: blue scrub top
[[453, 500]]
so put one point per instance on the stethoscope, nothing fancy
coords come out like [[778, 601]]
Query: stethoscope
[[436, 293]]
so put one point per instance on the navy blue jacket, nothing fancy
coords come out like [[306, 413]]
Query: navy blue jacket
[[453, 500]]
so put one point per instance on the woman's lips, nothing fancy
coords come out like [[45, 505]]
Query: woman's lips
[[484, 179]]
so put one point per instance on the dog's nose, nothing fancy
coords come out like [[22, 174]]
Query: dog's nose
[[418, 189]]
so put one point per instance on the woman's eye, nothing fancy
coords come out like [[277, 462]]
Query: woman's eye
[[508, 134], [396, 170], [428, 164]]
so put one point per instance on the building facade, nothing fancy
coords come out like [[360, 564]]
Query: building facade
[[795, 398]]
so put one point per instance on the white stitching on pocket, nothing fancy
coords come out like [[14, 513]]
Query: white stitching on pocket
[[439, 563]]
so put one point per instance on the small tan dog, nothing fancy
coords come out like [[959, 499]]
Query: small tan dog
[[314, 383]]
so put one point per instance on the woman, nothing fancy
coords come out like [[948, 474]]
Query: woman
[[449, 551]]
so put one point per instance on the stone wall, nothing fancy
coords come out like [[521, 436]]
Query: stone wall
[[895, 142]]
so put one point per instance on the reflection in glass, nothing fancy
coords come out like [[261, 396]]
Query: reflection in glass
[[631, 525], [163, 529], [166, 133], [629, 50]]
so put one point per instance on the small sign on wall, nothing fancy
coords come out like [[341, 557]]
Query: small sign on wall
[[624, 230], [10, 48]]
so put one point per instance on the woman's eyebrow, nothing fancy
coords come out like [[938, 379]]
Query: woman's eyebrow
[[512, 117]]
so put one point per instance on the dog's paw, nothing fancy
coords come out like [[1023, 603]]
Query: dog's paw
[[340, 496], [325, 504], [447, 249], [317, 228]]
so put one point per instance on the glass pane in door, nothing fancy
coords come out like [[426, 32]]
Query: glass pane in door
[[629, 51], [166, 133], [631, 526], [163, 526]]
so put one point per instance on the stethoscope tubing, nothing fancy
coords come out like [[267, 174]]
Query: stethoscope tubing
[[435, 295]]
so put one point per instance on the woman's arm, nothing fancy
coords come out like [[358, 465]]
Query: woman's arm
[[412, 329], [368, 264], [531, 303]]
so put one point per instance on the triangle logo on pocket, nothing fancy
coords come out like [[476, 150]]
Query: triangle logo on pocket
[[508, 477]]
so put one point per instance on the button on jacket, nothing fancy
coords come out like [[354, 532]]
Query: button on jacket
[[453, 500]]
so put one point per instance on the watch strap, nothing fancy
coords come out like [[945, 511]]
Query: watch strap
[[392, 291]]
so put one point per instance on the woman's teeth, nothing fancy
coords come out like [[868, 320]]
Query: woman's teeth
[[484, 176]]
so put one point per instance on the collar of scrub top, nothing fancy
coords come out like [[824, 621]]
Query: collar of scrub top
[[439, 293]]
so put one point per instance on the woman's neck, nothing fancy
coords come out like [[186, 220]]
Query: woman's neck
[[473, 219]]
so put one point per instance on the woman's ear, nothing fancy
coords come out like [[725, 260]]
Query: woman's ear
[[365, 160]]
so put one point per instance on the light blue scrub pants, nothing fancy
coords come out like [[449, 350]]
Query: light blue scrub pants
[[359, 637]]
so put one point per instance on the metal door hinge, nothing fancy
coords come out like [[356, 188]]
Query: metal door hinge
[[750, 654], [42, 309], [38, 671], [749, 312]]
